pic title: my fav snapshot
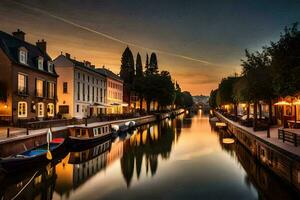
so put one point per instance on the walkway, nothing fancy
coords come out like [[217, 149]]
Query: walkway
[[20, 133], [273, 140]]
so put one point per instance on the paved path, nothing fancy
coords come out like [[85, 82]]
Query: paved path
[[273, 137], [20, 133]]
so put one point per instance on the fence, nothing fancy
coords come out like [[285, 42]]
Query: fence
[[287, 136]]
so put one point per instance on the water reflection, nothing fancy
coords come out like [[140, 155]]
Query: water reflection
[[185, 157]]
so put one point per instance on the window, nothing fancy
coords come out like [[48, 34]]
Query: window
[[65, 87], [39, 88], [78, 91], [40, 63], [40, 109], [83, 92], [51, 90], [22, 84], [50, 67], [22, 109], [83, 77], [50, 109], [77, 108], [88, 93], [23, 56], [63, 109], [78, 75]]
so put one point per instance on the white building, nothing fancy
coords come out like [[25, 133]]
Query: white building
[[81, 89], [114, 89]]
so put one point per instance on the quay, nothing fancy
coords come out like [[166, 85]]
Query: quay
[[280, 157], [21, 141]]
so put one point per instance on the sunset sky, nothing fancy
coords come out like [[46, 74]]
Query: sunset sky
[[199, 42]]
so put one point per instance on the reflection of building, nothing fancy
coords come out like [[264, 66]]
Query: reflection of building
[[114, 89], [81, 89], [38, 185], [27, 79]]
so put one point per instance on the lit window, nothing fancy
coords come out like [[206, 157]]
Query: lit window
[[40, 109], [39, 88], [50, 109], [50, 67], [22, 109], [23, 56], [22, 83], [51, 88], [40, 63]]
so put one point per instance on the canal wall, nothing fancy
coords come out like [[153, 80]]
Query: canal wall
[[21, 143], [283, 163]]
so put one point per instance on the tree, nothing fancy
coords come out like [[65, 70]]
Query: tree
[[226, 92], [166, 89], [147, 64], [127, 66], [127, 73], [256, 71], [213, 98], [153, 66], [285, 62], [138, 66], [187, 99], [139, 79]]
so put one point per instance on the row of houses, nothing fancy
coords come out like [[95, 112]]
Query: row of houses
[[35, 87]]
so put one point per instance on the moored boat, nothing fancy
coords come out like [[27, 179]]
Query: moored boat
[[33, 157], [80, 136]]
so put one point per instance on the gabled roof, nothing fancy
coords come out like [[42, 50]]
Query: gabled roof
[[108, 73], [11, 45]]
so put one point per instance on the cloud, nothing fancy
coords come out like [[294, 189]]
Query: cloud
[[112, 37]]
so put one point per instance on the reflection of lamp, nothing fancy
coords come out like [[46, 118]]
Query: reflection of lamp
[[282, 103]]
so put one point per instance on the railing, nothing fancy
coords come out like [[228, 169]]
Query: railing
[[287, 136]]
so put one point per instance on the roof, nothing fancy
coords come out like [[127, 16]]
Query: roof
[[10, 45], [108, 73]]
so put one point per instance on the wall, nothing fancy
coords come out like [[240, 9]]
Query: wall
[[282, 163], [5, 78], [66, 74]]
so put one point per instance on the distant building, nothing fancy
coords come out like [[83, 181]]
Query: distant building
[[27, 79], [114, 89], [81, 88]]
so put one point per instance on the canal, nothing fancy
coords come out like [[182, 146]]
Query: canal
[[184, 158]]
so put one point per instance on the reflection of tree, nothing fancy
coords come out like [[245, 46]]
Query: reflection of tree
[[158, 142], [127, 163]]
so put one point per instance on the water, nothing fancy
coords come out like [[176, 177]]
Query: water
[[182, 158]]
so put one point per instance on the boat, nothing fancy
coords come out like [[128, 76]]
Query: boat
[[80, 136], [33, 157]]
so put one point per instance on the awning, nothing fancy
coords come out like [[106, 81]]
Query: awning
[[123, 104], [282, 103], [99, 105]]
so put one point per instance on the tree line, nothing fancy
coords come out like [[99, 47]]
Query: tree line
[[150, 84], [267, 74]]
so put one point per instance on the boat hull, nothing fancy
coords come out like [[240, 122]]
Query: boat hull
[[77, 144], [13, 164]]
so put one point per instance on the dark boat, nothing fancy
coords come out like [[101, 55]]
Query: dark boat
[[33, 157], [81, 136]]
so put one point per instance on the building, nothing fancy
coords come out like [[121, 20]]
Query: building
[[81, 89], [114, 89], [27, 79]]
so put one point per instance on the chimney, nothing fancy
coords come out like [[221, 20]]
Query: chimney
[[19, 34], [87, 63], [42, 45], [68, 55]]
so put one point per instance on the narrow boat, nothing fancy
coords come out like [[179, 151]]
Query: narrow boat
[[33, 157], [80, 136]]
